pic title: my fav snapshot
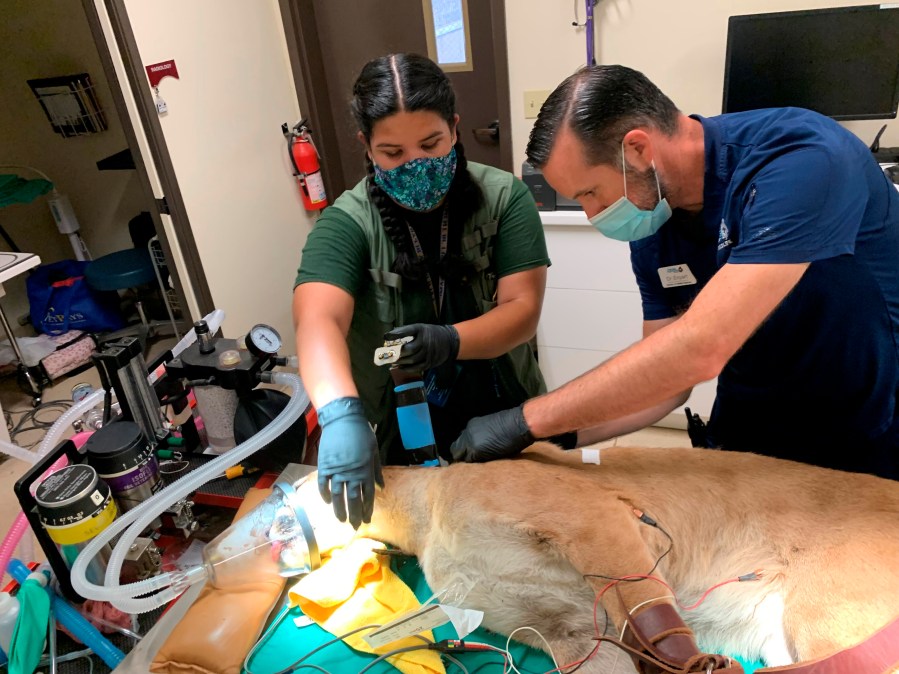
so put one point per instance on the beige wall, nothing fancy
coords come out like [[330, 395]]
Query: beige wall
[[223, 133], [679, 45], [47, 42]]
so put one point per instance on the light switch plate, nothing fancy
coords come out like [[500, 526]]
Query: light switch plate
[[533, 100]]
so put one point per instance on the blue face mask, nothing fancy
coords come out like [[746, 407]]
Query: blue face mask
[[624, 221], [420, 184]]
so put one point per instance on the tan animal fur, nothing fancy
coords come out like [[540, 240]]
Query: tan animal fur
[[528, 529]]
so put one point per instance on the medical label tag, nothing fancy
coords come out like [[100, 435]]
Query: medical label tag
[[426, 618]]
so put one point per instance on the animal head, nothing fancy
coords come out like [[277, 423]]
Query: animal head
[[330, 532], [399, 509]]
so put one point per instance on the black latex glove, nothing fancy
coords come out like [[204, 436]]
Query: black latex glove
[[348, 461], [496, 436], [431, 346]]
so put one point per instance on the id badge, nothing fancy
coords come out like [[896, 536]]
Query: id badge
[[439, 384], [676, 275]]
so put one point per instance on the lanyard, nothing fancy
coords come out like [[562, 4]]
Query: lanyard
[[436, 298]]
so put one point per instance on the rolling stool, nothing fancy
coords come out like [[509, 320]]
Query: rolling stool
[[121, 270]]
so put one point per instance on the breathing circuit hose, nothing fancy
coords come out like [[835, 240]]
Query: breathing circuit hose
[[17, 452], [62, 424], [169, 585], [73, 621], [11, 541]]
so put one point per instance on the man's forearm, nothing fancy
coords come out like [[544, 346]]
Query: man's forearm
[[630, 423], [646, 375]]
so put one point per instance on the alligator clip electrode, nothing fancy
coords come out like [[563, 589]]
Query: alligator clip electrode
[[390, 352]]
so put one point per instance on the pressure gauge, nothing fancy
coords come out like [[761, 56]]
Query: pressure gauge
[[263, 340]]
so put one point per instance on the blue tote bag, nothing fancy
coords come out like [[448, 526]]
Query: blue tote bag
[[60, 300]]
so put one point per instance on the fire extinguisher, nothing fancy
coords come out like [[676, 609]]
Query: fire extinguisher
[[306, 167]]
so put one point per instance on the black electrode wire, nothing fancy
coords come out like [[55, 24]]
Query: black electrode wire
[[396, 651], [309, 665], [301, 664], [427, 644], [649, 573], [651, 522], [605, 628], [292, 666], [507, 658], [457, 662]]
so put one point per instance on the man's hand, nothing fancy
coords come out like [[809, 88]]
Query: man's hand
[[496, 436], [348, 462], [431, 346]]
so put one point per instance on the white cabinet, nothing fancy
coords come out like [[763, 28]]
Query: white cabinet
[[592, 306]]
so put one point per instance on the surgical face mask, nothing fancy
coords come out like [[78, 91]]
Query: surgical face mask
[[624, 221], [420, 184]]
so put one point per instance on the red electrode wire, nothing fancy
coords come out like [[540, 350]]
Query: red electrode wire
[[755, 575]]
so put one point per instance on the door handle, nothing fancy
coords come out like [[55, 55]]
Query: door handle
[[490, 134]]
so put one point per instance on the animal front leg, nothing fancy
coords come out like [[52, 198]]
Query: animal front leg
[[610, 550], [656, 637], [599, 659]]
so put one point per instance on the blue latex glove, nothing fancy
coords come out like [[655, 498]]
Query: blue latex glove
[[431, 346], [348, 461], [496, 436]]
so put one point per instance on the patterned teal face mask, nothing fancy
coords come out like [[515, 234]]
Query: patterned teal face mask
[[420, 184]]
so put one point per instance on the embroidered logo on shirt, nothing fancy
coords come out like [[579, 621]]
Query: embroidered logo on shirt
[[724, 240]]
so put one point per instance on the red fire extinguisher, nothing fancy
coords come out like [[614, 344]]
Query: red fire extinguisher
[[306, 167]]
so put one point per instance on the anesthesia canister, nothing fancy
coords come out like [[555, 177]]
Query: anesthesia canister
[[74, 505], [124, 460]]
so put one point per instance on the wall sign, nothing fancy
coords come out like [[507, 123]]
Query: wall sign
[[157, 71]]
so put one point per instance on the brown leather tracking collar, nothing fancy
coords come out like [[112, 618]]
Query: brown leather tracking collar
[[659, 632], [647, 664], [660, 642]]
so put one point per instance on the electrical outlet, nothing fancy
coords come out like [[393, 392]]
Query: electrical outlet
[[533, 101]]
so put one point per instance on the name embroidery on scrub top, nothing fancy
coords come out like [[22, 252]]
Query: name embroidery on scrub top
[[676, 275]]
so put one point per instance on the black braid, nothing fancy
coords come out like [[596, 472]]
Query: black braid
[[406, 263], [463, 200]]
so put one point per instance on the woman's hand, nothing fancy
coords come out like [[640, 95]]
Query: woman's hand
[[431, 345], [348, 462]]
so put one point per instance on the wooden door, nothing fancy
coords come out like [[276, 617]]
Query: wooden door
[[331, 40]]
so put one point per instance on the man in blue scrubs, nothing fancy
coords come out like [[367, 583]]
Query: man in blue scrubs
[[766, 248]]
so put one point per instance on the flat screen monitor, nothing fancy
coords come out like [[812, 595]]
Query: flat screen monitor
[[842, 62]]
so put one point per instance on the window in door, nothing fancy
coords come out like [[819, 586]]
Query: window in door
[[446, 29]]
